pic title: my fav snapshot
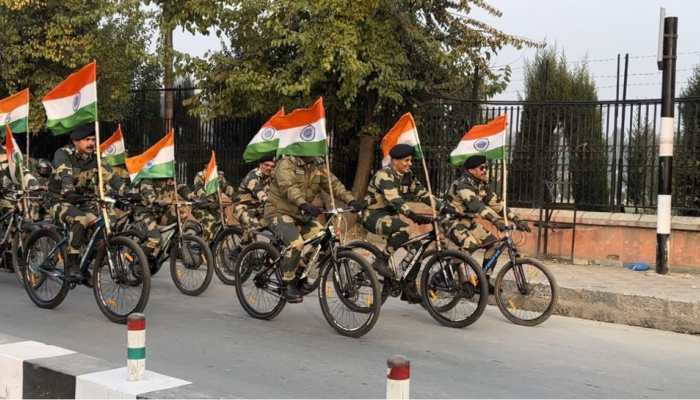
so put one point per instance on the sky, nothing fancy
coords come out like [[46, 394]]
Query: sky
[[597, 30]]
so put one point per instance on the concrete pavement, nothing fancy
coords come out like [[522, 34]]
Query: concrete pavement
[[211, 342]]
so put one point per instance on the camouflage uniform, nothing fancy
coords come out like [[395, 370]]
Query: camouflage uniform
[[296, 182], [75, 172], [470, 198], [40, 210], [252, 194], [208, 216], [154, 192], [387, 197]]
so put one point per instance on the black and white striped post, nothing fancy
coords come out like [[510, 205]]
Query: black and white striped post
[[667, 63]]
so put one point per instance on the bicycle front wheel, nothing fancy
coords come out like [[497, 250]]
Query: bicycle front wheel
[[121, 280], [258, 281], [526, 292], [350, 294], [191, 264], [451, 286], [226, 248], [44, 269]]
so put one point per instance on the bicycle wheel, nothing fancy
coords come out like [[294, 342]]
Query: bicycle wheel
[[18, 257], [140, 238], [374, 256], [258, 281], [226, 248], [526, 292], [348, 293], [124, 286], [45, 270], [191, 264], [451, 287]]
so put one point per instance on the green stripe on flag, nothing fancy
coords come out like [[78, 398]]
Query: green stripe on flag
[[160, 171], [18, 126], [493, 154], [304, 149], [117, 159], [256, 151], [81, 117], [212, 186], [136, 353]]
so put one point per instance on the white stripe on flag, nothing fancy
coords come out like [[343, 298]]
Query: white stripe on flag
[[65, 107]]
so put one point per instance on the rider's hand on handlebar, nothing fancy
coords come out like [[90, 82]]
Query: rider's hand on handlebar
[[522, 226], [310, 209], [358, 204]]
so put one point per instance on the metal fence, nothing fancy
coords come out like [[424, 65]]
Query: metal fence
[[598, 155]]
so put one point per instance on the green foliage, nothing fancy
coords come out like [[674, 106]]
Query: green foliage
[[44, 41], [686, 160], [640, 170], [555, 134]]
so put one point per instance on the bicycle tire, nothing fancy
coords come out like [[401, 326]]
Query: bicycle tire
[[373, 308], [270, 253], [437, 312], [18, 258], [501, 302], [175, 256], [143, 271], [225, 272], [379, 257], [140, 239], [31, 288]]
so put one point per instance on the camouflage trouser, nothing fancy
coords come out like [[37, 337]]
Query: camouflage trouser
[[208, 219], [391, 226], [292, 232], [249, 219], [78, 220], [470, 235], [148, 223]]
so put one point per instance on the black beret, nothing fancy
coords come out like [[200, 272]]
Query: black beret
[[266, 158], [474, 161], [401, 150], [82, 132]]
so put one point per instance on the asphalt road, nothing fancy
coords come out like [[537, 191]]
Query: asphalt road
[[212, 342]]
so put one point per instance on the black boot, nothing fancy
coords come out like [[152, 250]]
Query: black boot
[[72, 267], [293, 293]]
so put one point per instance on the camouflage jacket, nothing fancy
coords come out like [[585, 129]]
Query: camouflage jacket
[[389, 191], [160, 191], [30, 181], [226, 187], [296, 182], [253, 189], [471, 198], [78, 172]]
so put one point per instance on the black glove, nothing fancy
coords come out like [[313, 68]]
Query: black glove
[[522, 226], [72, 197], [420, 219], [500, 225], [310, 209], [358, 204]]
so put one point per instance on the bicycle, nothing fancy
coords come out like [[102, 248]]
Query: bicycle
[[13, 227], [451, 280], [525, 290], [346, 283], [115, 259], [191, 260]]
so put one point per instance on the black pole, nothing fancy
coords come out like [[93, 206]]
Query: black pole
[[668, 89], [620, 163]]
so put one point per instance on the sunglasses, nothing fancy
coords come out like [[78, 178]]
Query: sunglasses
[[482, 168]]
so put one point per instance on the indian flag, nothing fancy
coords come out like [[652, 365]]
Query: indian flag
[[14, 111], [403, 132], [302, 132], [14, 156], [73, 102], [156, 162], [211, 176], [264, 142], [112, 149], [488, 139]]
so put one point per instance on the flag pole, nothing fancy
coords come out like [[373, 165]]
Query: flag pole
[[505, 184], [328, 172], [29, 134], [430, 191], [177, 198], [100, 178]]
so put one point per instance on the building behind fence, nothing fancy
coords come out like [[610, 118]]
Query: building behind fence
[[601, 156]]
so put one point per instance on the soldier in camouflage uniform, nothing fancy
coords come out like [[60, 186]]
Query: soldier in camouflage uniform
[[470, 196], [252, 194], [155, 193], [75, 174], [209, 215], [296, 181], [389, 190], [41, 171]]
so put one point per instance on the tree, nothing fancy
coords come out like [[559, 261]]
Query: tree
[[640, 168], [568, 132], [43, 42], [368, 58], [686, 168]]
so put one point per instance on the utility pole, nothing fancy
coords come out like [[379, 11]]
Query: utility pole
[[667, 63]]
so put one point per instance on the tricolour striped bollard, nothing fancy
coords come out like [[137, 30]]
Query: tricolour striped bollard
[[136, 342], [398, 378]]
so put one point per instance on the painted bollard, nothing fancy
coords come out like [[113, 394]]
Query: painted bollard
[[136, 343], [397, 378]]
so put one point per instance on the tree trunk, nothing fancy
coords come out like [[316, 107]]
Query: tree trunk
[[365, 161], [168, 75]]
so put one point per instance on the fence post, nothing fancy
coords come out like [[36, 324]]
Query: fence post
[[668, 87], [136, 346], [398, 378]]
